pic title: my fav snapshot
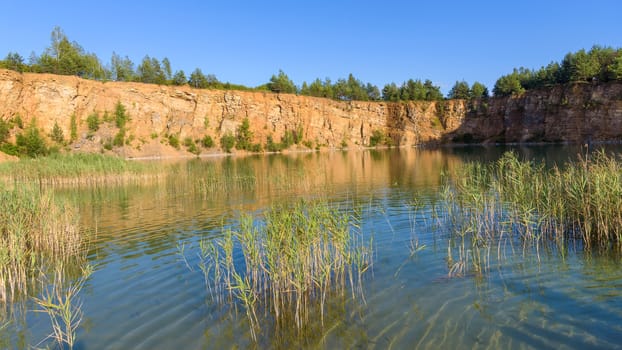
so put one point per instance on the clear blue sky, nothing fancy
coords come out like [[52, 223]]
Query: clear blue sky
[[246, 42]]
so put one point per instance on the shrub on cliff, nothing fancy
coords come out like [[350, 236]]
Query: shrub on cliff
[[207, 141], [227, 141], [244, 136], [93, 122], [121, 116], [31, 143], [57, 134], [4, 131]]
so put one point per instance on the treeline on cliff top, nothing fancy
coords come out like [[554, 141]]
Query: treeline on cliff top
[[67, 57], [599, 64]]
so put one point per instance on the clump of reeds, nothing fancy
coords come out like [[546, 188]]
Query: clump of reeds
[[581, 200], [34, 228], [78, 169], [293, 260]]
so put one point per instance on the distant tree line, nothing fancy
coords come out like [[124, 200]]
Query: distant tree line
[[67, 57], [598, 64]]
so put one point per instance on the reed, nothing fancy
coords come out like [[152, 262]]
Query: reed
[[293, 259], [35, 229], [77, 169], [578, 202], [59, 300]]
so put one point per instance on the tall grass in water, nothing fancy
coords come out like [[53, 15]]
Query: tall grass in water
[[34, 228], [59, 301], [293, 261], [77, 169], [581, 201], [40, 236]]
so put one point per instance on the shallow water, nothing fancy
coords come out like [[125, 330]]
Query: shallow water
[[142, 295]]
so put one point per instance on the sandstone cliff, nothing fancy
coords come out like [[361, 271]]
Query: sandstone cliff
[[580, 112], [572, 113], [157, 111]]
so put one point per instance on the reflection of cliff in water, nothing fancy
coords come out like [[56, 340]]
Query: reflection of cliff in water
[[207, 192]]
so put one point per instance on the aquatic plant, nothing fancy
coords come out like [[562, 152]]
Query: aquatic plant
[[59, 301], [35, 229], [512, 198], [77, 169], [294, 259]]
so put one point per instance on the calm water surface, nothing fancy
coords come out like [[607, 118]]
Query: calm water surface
[[142, 294]]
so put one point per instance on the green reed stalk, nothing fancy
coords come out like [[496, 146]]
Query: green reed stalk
[[581, 200], [294, 258]]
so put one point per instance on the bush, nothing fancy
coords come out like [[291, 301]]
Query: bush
[[272, 146], [244, 136], [119, 138], [227, 142], [256, 147], [376, 138], [57, 134], [207, 141], [30, 143], [191, 146], [17, 121], [4, 131], [288, 139], [93, 122], [120, 115], [173, 140]]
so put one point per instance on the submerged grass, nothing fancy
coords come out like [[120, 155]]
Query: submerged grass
[[580, 202], [77, 169], [294, 259]]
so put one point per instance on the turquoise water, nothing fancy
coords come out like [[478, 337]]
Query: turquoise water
[[143, 295]]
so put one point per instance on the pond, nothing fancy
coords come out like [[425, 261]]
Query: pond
[[147, 291]]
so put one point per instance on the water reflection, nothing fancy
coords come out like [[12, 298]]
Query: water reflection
[[143, 296]]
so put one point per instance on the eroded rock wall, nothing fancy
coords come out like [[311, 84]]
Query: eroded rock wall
[[578, 112], [157, 111], [571, 113]]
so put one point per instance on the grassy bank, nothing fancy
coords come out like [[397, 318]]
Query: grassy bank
[[77, 169], [579, 202]]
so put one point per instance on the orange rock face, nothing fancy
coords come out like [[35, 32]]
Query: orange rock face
[[571, 113], [158, 111]]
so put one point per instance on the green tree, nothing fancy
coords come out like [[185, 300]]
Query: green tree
[[478, 90], [615, 68], [460, 90], [150, 71], [166, 69], [93, 122], [227, 141], [13, 61], [391, 92], [508, 85], [121, 116], [207, 141], [31, 143], [282, 83], [244, 136], [198, 79], [122, 68], [179, 78], [57, 134], [432, 92], [69, 58]]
